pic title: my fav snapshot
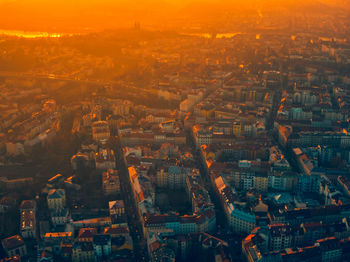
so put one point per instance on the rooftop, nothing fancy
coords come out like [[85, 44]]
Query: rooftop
[[28, 204], [12, 242], [56, 193]]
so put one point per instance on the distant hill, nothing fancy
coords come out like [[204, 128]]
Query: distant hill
[[77, 15], [72, 15]]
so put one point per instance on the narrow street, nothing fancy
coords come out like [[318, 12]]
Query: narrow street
[[135, 226]]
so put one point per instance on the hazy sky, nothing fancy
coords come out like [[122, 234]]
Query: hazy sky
[[73, 15]]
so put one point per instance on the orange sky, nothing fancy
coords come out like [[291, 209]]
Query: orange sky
[[73, 15]]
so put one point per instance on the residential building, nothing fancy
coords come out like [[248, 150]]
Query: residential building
[[105, 160], [14, 246], [28, 219], [102, 245], [110, 182], [56, 199], [240, 218], [83, 252], [60, 217], [86, 234], [281, 236], [100, 131], [116, 208]]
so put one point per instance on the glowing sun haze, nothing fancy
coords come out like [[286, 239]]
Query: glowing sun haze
[[76, 15]]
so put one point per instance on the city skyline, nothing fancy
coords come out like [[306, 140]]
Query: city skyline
[[174, 131]]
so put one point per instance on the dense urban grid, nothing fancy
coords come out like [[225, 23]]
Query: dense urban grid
[[206, 143]]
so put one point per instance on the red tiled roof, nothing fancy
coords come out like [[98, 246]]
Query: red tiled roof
[[87, 232], [27, 204], [154, 246], [116, 230], [12, 242]]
